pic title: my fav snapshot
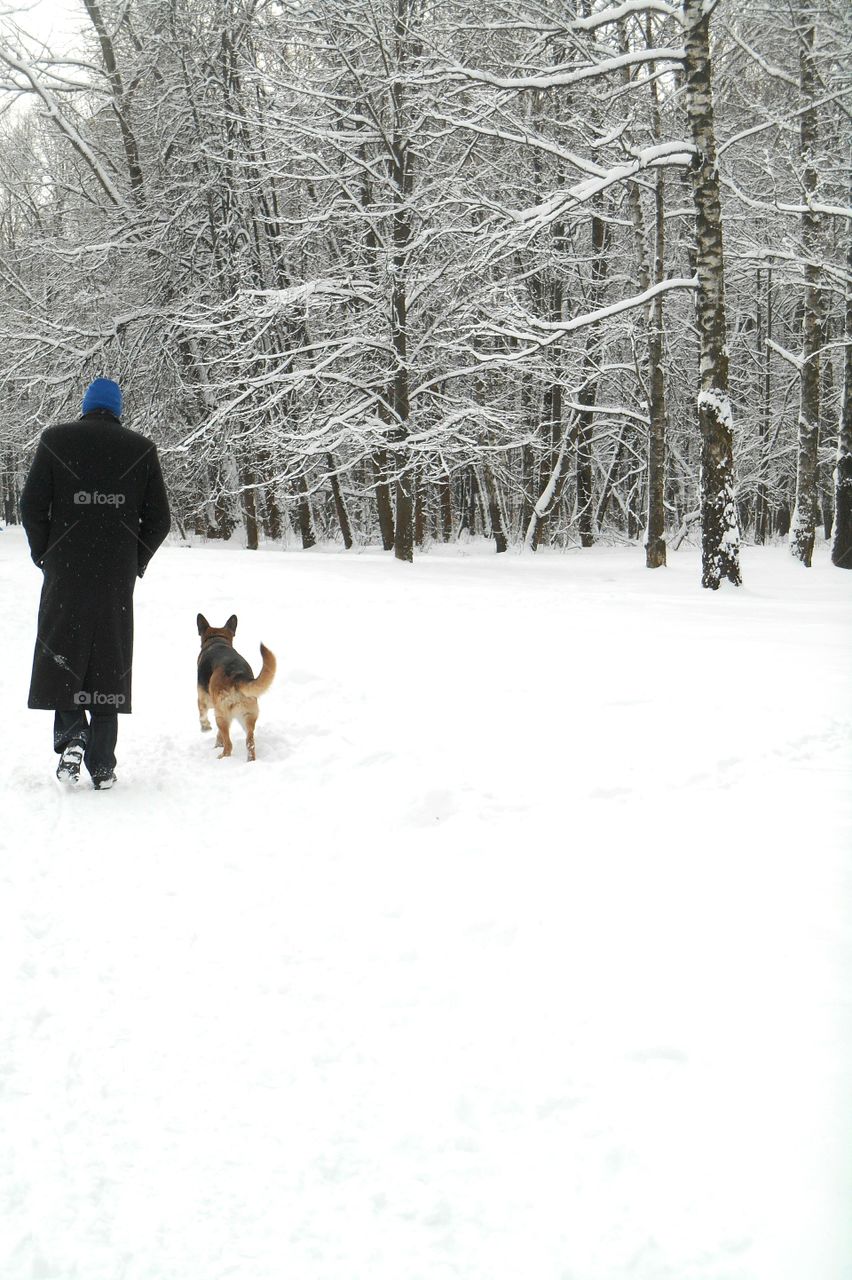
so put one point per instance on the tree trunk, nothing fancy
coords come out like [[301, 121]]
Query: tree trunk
[[494, 513], [541, 509], [403, 543], [655, 548], [402, 158], [813, 316], [609, 482], [761, 506], [550, 480], [339, 504], [271, 516], [10, 495], [224, 521], [249, 506], [589, 390], [303, 515], [419, 512], [445, 488], [528, 464], [383, 498], [467, 523], [553, 401], [587, 397], [841, 547], [720, 535], [825, 485]]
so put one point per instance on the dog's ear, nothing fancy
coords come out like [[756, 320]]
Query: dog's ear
[[203, 624], [231, 624]]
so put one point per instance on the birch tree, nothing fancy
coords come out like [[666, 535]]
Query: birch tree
[[720, 534], [841, 547]]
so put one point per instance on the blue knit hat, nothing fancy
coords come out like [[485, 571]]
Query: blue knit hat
[[103, 394]]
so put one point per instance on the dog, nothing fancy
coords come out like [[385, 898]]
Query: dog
[[226, 683]]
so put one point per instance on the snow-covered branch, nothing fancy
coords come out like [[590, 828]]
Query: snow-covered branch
[[561, 79], [618, 12], [66, 128]]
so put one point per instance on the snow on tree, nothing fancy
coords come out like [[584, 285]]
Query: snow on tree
[[378, 271]]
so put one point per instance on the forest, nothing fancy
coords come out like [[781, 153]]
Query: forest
[[397, 272]]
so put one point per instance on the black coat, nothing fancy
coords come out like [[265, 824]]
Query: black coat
[[94, 508]]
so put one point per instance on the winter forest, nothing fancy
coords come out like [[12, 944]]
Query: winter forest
[[519, 949], [389, 272]]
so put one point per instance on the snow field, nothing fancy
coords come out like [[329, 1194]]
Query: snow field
[[521, 952]]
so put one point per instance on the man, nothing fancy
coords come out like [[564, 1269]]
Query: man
[[95, 510]]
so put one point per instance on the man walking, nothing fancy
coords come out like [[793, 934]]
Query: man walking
[[95, 510]]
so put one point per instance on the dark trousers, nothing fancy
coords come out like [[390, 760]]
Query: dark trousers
[[98, 736]]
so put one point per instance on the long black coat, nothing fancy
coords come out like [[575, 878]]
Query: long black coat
[[94, 508]]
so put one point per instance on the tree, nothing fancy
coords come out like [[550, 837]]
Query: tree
[[841, 548], [814, 308], [720, 534]]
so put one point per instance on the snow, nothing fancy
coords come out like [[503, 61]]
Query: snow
[[620, 11], [560, 79], [521, 951], [719, 404], [282, 299]]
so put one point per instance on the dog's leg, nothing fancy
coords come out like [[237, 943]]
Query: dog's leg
[[224, 740], [249, 723], [204, 710]]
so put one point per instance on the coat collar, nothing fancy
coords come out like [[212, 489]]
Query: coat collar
[[100, 413]]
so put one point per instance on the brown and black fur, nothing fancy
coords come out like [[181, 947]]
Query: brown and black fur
[[226, 683]]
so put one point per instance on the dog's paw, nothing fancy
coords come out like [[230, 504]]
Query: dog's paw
[[206, 728]]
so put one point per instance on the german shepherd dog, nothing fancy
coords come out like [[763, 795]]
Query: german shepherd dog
[[226, 683]]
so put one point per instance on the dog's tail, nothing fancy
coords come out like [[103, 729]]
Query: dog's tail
[[265, 676]]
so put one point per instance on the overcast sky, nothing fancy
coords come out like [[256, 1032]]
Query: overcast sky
[[54, 21]]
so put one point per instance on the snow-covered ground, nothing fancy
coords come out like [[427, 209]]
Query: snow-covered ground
[[521, 953]]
